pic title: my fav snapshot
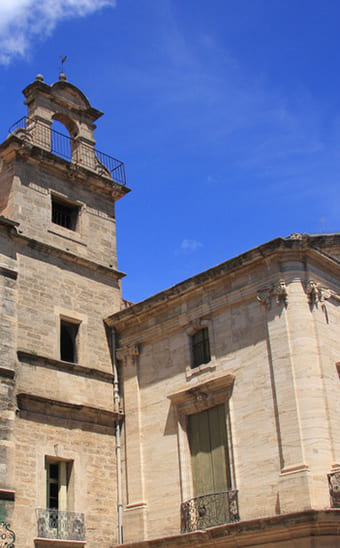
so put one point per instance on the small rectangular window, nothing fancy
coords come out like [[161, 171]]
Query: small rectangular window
[[200, 347], [64, 214], [58, 476], [69, 341]]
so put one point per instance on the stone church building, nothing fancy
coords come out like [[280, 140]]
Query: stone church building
[[206, 415]]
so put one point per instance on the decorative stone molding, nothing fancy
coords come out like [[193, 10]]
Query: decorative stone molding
[[128, 351], [318, 294], [313, 292], [334, 488], [31, 405], [264, 296], [195, 325], [203, 396], [276, 291], [281, 293]]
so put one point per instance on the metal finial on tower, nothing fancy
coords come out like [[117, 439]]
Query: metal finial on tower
[[62, 75]]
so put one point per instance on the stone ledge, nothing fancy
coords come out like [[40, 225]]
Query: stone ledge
[[7, 372], [68, 255], [294, 528], [7, 494], [55, 543], [37, 405], [68, 367], [8, 272]]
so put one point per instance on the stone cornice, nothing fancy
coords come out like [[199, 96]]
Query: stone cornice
[[45, 407], [275, 250], [71, 368]]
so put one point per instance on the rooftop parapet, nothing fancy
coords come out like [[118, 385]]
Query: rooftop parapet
[[35, 132], [65, 103]]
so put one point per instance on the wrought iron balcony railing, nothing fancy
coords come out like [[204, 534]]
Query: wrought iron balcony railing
[[209, 511], [55, 524], [75, 151], [7, 536]]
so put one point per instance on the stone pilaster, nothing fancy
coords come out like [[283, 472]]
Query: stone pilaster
[[7, 384], [294, 481], [134, 524]]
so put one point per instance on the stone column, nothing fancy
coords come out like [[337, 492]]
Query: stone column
[[135, 522]]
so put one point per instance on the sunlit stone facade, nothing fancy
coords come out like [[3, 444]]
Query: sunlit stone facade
[[206, 415]]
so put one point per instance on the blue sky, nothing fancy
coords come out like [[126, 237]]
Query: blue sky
[[226, 114]]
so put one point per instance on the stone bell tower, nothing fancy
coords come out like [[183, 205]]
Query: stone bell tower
[[58, 280]]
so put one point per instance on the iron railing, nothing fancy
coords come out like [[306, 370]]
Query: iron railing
[[73, 150], [209, 511], [56, 524], [7, 537]]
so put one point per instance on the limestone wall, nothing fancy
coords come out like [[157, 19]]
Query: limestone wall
[[281, 351], [30, 204], [92, 453]]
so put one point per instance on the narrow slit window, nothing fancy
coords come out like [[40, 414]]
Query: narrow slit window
[[69, 341]]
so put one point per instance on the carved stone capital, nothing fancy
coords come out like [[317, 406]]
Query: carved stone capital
[[277, 291], [325, 294], [313, 292], [264, 296], [281, 293], [125, 352], [317, 294]]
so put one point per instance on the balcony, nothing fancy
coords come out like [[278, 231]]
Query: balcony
[[55, 524], [209, 511], [78, 152]]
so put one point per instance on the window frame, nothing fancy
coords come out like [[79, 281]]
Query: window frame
[[75, 326], [200, 347], [194, 400], [195, 326], [64, 482], [75, 209]]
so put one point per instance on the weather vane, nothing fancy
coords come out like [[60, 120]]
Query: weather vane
[[63, 59]]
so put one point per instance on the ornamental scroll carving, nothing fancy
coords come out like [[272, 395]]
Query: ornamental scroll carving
[[318, 294], [277, 292], [334, 488], [7, 537]]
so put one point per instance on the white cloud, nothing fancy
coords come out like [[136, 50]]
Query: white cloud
[[190, 245], [23, 21]]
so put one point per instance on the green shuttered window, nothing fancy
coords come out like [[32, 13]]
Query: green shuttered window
[[209, 451]]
